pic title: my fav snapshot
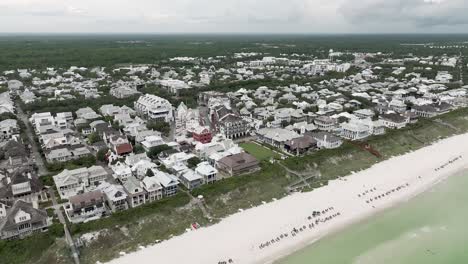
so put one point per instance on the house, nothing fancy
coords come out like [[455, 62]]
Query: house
[[325, 123], [397, 105], [202, 134], [301, 145], [118, 143], [85, 207], [42, 119], [364, 113], [168, 182], [207, 172], [238, 164], [15, 153], [394, 120], [154, 190], [21, 183], [121, 171], [73, 182], [174, 86], [155, 108], [151, 142], [87, 113], [190, 179], [27, 96], [21, 220], [6, 103], [132, 159], [136, 195], [66, 154], [326, 140], [140, 169], [115, 195], [228, 123], [432, 110], [8, 129], [172, 159], [276, 137], [123, 92], [356, 129]]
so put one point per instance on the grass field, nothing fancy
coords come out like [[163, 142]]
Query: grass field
[[259, 152]]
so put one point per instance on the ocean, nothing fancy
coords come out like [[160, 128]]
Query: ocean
[[431, 228]]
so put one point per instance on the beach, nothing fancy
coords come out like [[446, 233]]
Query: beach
[[268, 232]]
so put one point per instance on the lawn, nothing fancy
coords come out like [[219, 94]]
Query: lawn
[[259, 152]]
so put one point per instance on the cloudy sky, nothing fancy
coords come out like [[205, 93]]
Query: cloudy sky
[[218, 16]]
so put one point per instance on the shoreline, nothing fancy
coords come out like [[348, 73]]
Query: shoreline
[[278, 258], [270, 232]]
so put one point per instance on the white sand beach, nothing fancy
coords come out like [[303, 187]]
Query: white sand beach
[[265, 233]]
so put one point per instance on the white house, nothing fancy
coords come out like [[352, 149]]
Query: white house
[[155, 108], [326, 140], [154, 190], [207, 172], [72, 182]]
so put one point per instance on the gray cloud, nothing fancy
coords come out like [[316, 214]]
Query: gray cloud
[[418, 13], [314, 16]]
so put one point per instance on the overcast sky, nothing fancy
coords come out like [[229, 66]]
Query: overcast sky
[[219, 16]]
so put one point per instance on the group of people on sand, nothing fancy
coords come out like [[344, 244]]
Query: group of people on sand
[[382, 195], [314, 220], [448, 163]]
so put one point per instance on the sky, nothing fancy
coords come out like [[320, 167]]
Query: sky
[[234, 16]]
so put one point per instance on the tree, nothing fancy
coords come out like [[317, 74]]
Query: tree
[[149, 173], [138, 149], [154, 151], [163, 127], [101, 154], [193, 162], [93, 138]]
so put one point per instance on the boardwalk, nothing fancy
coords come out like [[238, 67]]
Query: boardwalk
[[68, 236]]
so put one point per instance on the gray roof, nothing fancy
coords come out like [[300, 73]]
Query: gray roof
[[8, 223]]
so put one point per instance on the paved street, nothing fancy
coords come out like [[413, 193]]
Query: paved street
[[42, 170]]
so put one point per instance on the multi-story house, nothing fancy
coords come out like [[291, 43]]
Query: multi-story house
[[136, 194], [85, 206], [72, 182], [21, 183], [21, 219], [8, 129], [168, 182], [155, 108], [115, 195], [154, 190], [207, 172], [325, 123], [202, 134], [228, 123], [394, 120]]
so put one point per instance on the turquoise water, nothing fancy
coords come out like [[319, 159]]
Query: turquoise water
[[431, 228]]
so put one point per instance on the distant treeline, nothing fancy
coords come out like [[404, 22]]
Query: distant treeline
[[40, 51]]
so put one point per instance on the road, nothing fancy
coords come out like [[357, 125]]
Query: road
[[42, 170], [61, 218]]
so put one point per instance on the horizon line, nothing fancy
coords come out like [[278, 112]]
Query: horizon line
[[231, 33]]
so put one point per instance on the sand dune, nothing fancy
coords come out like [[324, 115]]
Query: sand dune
[[265, 233]]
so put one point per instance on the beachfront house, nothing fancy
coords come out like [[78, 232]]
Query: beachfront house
[[238, 164], [85, 207]]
